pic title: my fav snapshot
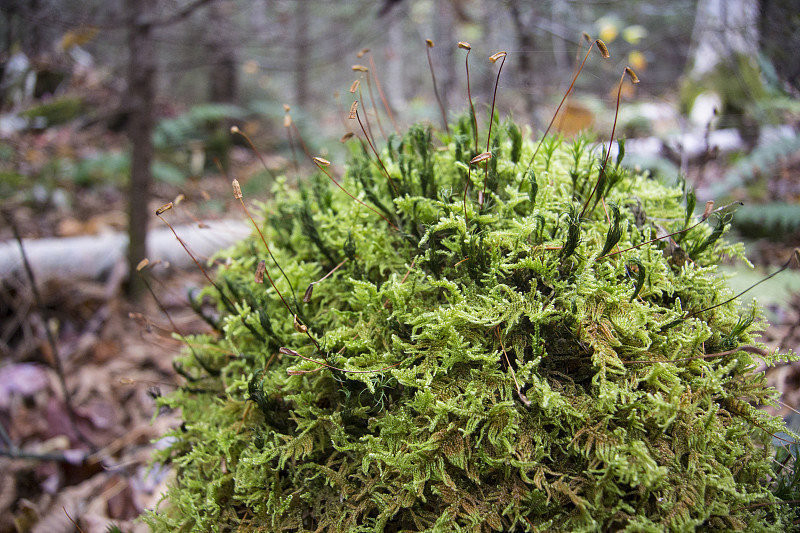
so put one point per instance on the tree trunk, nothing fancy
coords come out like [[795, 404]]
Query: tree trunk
[[223, 80], [526, 44], [302, 51], [393, 58], [444, 22], [723, 82], [140, 102], [723, 30]]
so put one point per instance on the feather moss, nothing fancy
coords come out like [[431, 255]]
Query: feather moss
[[433, 334]]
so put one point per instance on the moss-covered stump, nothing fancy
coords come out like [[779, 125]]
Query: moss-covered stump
[[517, 356]]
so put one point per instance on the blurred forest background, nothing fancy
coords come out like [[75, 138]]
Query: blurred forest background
[[110, 108]]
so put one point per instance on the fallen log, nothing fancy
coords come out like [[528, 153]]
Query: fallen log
[[93, 257]]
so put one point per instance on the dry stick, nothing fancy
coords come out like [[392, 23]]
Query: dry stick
[[493, 58], [74, 523], [354, 114], [601, 46], [37, 298], [524, 399], [466, 46], [634, 79], [361, 68], [380, 93], [429, 45], [323, 163]]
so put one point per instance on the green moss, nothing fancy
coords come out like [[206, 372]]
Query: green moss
[[740, 88], [481, 368], [57, 111]]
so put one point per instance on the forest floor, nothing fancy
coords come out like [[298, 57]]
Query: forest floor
[[85, 461]]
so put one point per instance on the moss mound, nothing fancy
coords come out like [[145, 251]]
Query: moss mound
[[477, 362]]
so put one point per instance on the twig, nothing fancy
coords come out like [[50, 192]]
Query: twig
[[50, 338], [56, 457]]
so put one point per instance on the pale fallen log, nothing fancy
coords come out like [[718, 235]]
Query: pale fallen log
[[93, 257]]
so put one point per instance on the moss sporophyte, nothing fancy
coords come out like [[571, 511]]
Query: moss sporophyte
[[528, 337]]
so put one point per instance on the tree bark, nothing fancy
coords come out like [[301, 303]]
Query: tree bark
[[444, 36], [302, 51], [223, 79], [526, 44], [140, 102], [723, 29]]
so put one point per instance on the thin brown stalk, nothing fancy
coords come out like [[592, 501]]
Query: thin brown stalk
[[175, 329], [310, 289], [604, 52], [368, 131], [466, 46], [160, 211], [301, 141], [383, 96], [750, 349], [322, 163], [372, 101], [429, 45], [236, 131], [795, 258], [524, 399], [287, 351], [237, 193], [634, 79], [288, 123], [708, 212], [493, 59], [354, 112]]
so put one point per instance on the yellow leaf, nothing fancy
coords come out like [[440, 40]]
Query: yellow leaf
[[637, 61], [78, 37], [634, 34]]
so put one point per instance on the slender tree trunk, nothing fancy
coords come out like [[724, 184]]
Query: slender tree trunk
[[526, 44], [140, 101], [223, 80], [444, 38], [302, 47], [722, 30]]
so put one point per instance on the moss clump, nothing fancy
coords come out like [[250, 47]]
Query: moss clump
[[481, 359]]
